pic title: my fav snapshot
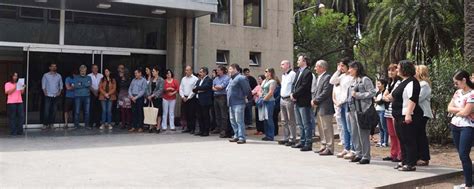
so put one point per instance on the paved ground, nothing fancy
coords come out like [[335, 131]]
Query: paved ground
[[91, 159]]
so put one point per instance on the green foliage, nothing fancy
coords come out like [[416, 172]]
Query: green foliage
[[441, 70], [423, 28], [321, 34]]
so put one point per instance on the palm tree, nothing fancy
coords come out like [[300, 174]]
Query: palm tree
[[413, 27], [469, 31]]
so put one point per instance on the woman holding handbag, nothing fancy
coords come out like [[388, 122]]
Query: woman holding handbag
[[155, 94], [361, 92], [107, 94]]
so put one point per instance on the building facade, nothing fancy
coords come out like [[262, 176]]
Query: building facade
[[169, 34]]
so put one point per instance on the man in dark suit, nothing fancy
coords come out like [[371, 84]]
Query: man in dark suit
[[301, 94], [322, 100], [203, 92]]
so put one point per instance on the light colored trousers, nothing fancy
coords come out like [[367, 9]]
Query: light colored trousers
[[360, 138], [326, 131], [168, 108], [287, 108]]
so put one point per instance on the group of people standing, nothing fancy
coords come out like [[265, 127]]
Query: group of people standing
[[222, 102]]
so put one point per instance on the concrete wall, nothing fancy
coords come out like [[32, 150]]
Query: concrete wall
[[274, 39]]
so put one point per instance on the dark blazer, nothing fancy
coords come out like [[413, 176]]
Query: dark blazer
[[204, 91], [322, 95], [302, 88]]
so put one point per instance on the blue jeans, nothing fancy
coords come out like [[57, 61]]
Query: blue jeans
[[16, 116], [269, 125], [236, 115], [248, 113], [304, 121], [346, 126], [106, 111], [85, 102], [462, 137], [49, 110], [383, 128]]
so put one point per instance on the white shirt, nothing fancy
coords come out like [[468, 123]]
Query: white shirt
[[344, 81], [95, 80], [187, 85], [287, 80], [319, 78], [407, 94], [460, 100]]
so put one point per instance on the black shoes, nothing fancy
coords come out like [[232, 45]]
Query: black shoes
[[186, 131], [355, 159], [364, 161], [407, 168], [290, 144], [204, 134], [283, 142], [306, 149], [388, 158], [297, 146], [241, 141], [234, 140], [267, 139]]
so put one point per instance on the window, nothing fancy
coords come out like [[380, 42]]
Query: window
[[223, 12], [252, 13], [222, 57], [254, 59]]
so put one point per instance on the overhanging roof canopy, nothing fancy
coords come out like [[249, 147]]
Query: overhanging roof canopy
[[142, 8]]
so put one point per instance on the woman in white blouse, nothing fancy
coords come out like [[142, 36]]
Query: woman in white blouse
[[462, 123]]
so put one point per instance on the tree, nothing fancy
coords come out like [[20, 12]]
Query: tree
[[469, 31], [419, 29], [323, 33]]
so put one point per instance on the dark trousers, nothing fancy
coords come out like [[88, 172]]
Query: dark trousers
[[204, 119], [125, 116], [422, 143], [190, 109], [276, 112], [407, 135], [49, 113], [115, 112], [137, 111], [16, 116], [259, 124], [248, 113], [95, 109], [222, 115], [462, 137]]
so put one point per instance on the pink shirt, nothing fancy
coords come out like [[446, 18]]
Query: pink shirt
[[14, 97]]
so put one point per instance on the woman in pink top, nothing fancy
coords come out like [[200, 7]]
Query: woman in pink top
[[15, 105], [170, 89]]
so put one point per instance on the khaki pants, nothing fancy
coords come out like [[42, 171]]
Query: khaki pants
[[326, 131]]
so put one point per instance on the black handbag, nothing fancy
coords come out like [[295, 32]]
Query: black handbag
[[367, 119]]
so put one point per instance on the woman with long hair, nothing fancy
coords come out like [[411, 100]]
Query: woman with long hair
[[422, 75], [462, 123], [155, 96], [107, 95], [266, 104], [15, 104]]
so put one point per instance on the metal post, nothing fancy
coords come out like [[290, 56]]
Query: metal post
[[102, 62], [27, 88]]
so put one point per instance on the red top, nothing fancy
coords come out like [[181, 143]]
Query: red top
[[175, 87]]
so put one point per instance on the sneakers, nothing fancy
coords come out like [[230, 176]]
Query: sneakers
[[102, 127], [110, 127], [349, 155], [342, 154]]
